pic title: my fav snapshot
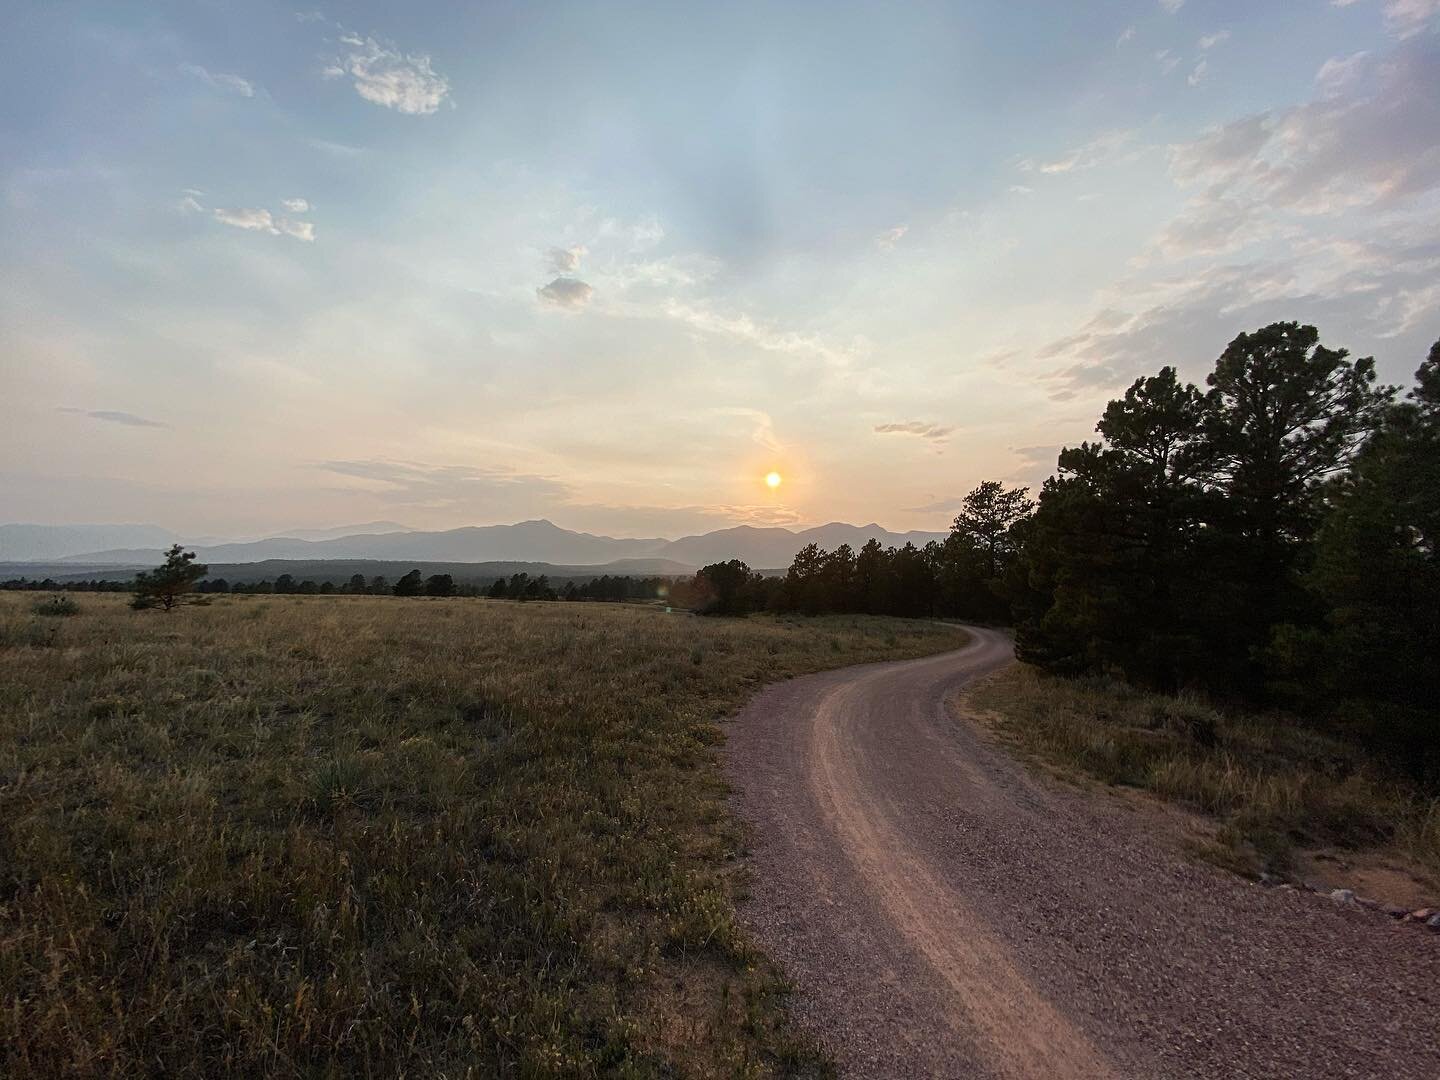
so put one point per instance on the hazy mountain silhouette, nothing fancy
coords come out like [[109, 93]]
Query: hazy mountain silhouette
[[530, 541], [21, 543], [768, 548]]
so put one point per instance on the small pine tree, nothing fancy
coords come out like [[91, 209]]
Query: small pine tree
[[167, 584]]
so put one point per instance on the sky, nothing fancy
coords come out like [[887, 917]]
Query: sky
[[610, 264]]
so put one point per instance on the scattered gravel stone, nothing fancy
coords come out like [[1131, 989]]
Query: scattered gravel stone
[[1343, 896]]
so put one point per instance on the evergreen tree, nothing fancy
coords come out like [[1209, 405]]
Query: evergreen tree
[[412, 584], [987, 517], [1377, 570], [168, 583], [1283, 415]]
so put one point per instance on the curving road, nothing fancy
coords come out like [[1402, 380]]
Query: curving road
[[944, 914]]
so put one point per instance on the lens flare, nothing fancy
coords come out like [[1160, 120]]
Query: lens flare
[[773, 480]]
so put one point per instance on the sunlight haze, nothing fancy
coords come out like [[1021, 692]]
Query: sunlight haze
[[608, 264]]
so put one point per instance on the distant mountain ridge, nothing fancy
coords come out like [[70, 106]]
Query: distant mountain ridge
[[526, 541]]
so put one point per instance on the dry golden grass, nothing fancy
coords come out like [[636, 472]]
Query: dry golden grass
[[1272, 784], [351, 836]]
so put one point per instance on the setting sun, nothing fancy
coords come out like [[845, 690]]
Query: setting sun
[[773, 480]]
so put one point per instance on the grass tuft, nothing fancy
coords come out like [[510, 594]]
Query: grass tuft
[[1273, 784]]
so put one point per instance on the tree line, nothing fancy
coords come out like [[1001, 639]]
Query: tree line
[[1269, 539]]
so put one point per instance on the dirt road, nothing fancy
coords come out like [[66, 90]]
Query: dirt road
[[942, 913]]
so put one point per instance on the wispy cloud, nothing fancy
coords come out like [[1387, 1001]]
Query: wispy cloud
[[423, 484], [1197, 74], [1209, 41], [1403, 18], [296, 206], [771, 339], [1170, 7], [566, 260], [1083, 157], [890, 237], [114, 416], [219, 80], [1339, 73], [1330, 154], [914, 427], [381, 74], [261, 220]]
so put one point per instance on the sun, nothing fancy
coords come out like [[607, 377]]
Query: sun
[[773, 480]]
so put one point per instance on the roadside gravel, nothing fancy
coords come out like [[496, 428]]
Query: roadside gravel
[[944, 913]]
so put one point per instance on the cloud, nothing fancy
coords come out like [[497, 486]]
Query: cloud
[[1087, 156], [744, 328], [1197, 76], [1170, 7], [1381, 286], [1167, 60], [1209, 226], [336, 149], [914, 427], [1333, 153], [1209, 41], [890, 237], [1339, 74], [1035, 458], [295, 206], [1021, 189], [1128, 34], [1403, 18], [114, 417], [220, 81], [384, 76], [449, 486], [566, 293], [566, 260], [300, 230], [261, 220]]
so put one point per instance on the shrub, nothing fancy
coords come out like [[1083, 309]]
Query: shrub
[[56, 605]]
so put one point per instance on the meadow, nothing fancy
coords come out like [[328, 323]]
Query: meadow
[[370, 836]]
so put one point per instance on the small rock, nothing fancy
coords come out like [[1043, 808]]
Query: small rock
[[1395, 911], [1433, 922], [1366, 902], [1343, 896], [1423, 914]]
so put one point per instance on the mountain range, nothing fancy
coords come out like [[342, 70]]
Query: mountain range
[[530, 541]]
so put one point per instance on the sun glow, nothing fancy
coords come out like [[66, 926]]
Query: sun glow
[[773, 480]]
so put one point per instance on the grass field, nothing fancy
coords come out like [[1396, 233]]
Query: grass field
[[351, 836], [1274, 786]]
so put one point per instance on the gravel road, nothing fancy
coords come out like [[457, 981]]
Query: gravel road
[[943, 913]]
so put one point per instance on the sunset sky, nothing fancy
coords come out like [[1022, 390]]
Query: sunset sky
[[613, 264]]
